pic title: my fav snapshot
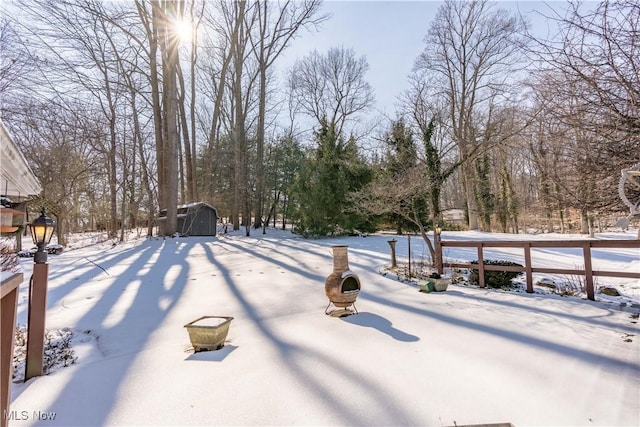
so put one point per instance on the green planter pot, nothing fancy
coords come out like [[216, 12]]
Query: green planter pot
[[208, 332], [434, 285]]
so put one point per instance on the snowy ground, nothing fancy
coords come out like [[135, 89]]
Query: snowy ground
[[465, 356]]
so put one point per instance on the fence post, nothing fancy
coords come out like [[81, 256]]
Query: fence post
[[527, 267], [392, 244], [588, 271], [36, 321], [480, 266], [409, 251]]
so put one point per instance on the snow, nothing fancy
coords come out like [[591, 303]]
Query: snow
[[464, 356], [210, 322]]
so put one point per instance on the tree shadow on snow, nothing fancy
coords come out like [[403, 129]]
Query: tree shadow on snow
[[123, 329], [563, 349], [297, 357]]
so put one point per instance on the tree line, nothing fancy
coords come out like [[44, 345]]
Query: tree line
[[128, 109]]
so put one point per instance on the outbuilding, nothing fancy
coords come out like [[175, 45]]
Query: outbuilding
[[195, 219], [454, 216]]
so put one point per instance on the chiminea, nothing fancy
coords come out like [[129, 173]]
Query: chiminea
[[342, 286]]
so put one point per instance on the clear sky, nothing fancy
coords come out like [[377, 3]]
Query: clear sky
[[390, 35]]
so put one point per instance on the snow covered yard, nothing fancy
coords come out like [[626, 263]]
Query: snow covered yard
[[465, 356]]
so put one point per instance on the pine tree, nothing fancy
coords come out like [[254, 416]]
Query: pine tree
[[402, 155], [505, 200], [484, 197], [326, 177], [284, 159]]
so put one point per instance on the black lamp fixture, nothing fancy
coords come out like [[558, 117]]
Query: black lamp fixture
[[41, 232], [438, 229]]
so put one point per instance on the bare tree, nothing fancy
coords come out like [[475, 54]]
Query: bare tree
[[13, 61], [146, 14], [55, 146], [80, 44], [568, 155], [331, 87], [188, 124], [218, 30], [410, 187], [471, 51], [240, 193], [278, 24], [124, 58], [159, 20], [592, 69], [599, 51], [231, 76]]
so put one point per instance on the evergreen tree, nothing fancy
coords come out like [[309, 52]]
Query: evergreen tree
[[284, 159], [505, 200], [402, 155], [485, 199], [435, 176], [327, 176]]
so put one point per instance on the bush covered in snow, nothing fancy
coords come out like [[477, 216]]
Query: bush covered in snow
[[8, 259], [494, 278], [57, 350]]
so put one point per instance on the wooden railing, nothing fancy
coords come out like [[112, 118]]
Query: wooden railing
[[9, 303], [529, 269]]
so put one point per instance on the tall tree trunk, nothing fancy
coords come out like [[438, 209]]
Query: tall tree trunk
[[113, 171], [259, 200], [192, 104], [169, 49], [240, 152], [189, 184], [144, 167], [208, 183], [151, 28], [468, 183], [182, 186], [273, 36]]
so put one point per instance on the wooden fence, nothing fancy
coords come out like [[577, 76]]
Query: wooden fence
[[529, 269]]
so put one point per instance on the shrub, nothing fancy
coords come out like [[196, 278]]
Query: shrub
[[8, 258], [493, 278], [58, 351]]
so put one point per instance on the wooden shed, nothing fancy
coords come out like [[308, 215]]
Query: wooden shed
[[195, 219]]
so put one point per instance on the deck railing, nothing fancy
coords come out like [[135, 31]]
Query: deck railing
[[588, 272], [9, 304]]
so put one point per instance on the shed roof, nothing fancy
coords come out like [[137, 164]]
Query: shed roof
[[184, 209]]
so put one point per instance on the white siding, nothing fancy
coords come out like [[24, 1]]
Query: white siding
[[16, 177]]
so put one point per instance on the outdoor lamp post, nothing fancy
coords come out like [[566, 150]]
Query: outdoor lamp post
[[439, 266], [41, 231]]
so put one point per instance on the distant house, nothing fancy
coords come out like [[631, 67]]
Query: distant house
[[454, 216], [195, 219]]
